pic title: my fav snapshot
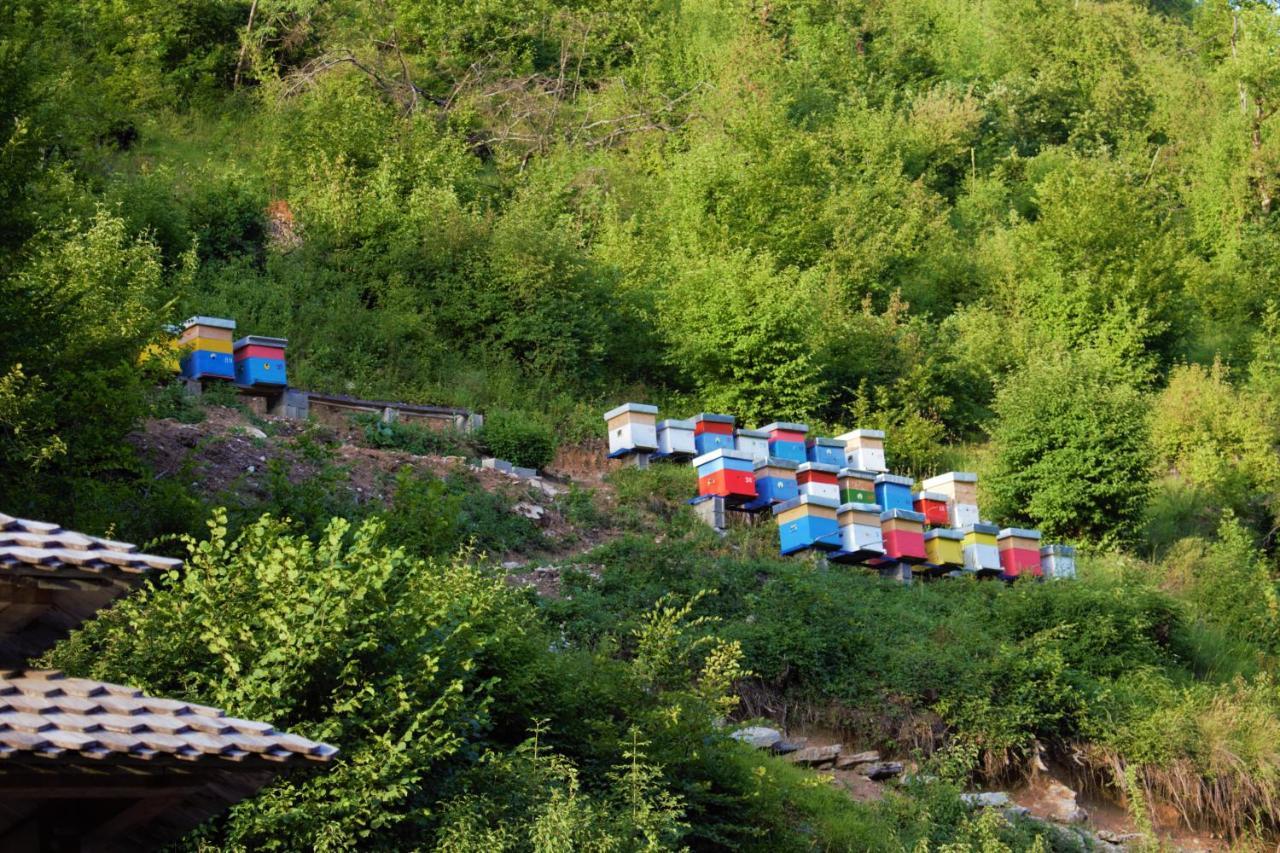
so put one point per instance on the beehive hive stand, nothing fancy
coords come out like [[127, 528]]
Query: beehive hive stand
[[944, 549], [981, 552], [864, 449], [903, 532], [861, 538], [786, 441], [826, 451], [206, 342], [856, 486], [675, 440], [1019, 552], [259, 362], [729, 474], [818, 481], [961, 491], [807, 522], [775, 483], [633, 428], [1058, 561], [894, 492], [712, 432], [753, 441]]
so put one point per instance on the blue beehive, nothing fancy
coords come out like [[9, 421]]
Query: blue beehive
[[204, 364], [207, 341], [712, 432], [775, 483], [807, 522], [786, 441], [260, 361], [894, 492], [826, 451]]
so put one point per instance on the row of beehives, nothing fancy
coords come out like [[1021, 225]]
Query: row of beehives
[[208, 350], [836, 495]]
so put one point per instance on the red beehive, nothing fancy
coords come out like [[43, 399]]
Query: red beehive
[[1019, 552], [728, 474], [903, 536], [933, 506]]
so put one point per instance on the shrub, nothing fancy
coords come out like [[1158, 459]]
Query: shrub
[[519, 439], [418, 439]]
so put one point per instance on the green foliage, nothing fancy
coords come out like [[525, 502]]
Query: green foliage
[[418, 439], [519, 439]]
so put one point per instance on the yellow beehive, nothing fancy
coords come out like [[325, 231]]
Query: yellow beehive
[[944, 547]]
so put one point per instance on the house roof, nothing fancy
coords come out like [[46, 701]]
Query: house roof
[[53, 579]]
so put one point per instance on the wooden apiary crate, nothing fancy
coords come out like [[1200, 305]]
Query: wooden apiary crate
[[933, 506], [675, 439], [206, 342], [857, 487], [753, 441], [825, 451], [807, 522], [944, 548], [775, 482], [633, 428], [209, 328], [727, 473], [1058, 561], [260, 361], [712, 432], [1019, 552], [861, 538], [864, 449], [894, 492], [903, 532], [786, 440], [818, 481], [961, 491], [981, 552]]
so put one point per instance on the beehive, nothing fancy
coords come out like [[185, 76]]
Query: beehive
[[961, 491], [981, 553], [675, 439], [260, 361], [861, 538], [864, 449], [903, 532], [894, 492], [727, 473], [933, 506], [753, 441], [857, 487], [775, 482], [786, 440], [167, 351], [712, 432], [1058, 561], [944, 548], [633, 428], [206, 342], [1019, 552], [818, 481], [807, 522], [825, 451]]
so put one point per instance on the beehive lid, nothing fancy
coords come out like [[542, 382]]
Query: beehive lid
[[672, 424], [262, 341], [858, 472], [710, 418], [894, 479], [857, 434], [902, 515], [1019, 533], [777, 462], [214, 322], [989, 529], [856, 507], [784, 426], [752, 433], [944, 533], [820, 467], [930, 496], [638, 408], [171, 329], [1057, 551], [804, 500], [826, 442], [722, 453], [949, 478]]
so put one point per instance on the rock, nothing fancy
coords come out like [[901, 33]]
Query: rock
[[815, 756], [852, 758], [530, 511], [455, 460], [879, 770], [1060, 804], [253, 432], [1118, 838], [496, 464], [1016, 812], [524, 473], [986, 800], [511, 565], [761, 737], [786, 747]]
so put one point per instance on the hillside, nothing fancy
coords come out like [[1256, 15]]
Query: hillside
[[1032, 240]]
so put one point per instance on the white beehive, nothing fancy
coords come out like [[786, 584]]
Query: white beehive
[[675, 438], [864, 449], [1058, 561], [753, 441], [633, 428], [961, 490]]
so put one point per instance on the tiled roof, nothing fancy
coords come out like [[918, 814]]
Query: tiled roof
[[37, 548], [45, 714]]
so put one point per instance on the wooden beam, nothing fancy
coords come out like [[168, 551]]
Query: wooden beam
[[106, 835], [107, 792]]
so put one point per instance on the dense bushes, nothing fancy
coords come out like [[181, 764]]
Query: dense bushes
[[518, 439]]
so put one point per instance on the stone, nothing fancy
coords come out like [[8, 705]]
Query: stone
[[986, 799], [524, 473], [814, 756], [511, 565], [1060, 804], [253, 432], [455, 460], [1118, 838], [530, 511], [879, 770], [496, 464], [853, 758], [761, 737], [1016, 812], [786, 747]]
